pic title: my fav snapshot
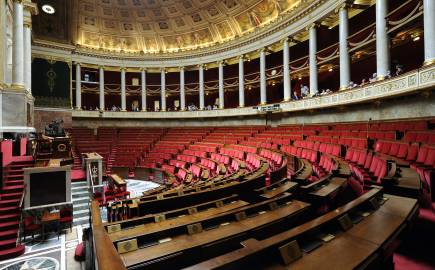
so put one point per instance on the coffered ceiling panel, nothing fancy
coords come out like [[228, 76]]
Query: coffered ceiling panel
[[156, 26]]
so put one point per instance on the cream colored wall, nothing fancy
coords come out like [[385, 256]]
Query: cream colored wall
[[415, 106]]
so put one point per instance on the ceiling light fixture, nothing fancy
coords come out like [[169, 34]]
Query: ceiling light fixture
[[416, 38], [48, 9]]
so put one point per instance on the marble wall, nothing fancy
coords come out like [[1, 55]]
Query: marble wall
[[44, 116]]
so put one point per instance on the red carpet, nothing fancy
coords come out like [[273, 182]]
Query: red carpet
[[417, 251], [78, 175]]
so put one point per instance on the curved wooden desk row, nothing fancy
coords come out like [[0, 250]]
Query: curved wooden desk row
[[203, 242], [357, 235], [220, 213], [151, 218], [187, 197]]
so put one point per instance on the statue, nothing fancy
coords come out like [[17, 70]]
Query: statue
[[55, 129]]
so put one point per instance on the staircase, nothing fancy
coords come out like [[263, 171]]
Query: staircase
[[77, 165], [10, 213], [80, 199]]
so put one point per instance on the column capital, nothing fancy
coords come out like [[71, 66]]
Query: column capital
[[123, 69], [101, 67], [143, 69], [30, 7], [342, 6], [18, 1], [77, 63], [313, 25], [285, 39], [222, 62], [181, 68], [163, 70]]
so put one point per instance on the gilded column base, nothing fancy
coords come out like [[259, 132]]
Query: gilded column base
[[263, 103], [18, 87], [78, 108], [123, 110], [286, 100], [380, 78], [163, 110], [241, 106], [143, 110], [342, 88]]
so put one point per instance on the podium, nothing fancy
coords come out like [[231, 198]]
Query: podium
[[93, 163]]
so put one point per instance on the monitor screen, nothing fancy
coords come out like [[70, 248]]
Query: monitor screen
[[47, 188]]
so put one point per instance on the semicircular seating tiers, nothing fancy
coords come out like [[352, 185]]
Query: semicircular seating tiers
[[258, 190]]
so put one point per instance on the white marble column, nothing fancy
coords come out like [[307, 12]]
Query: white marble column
[[101, 69], [78, 87], [286, 69], [344, 51], [123, 91], [429, 31], [143, 89], [382, 40], [241, 82], [18, 46], [3, 44], [314, 87], [182, 90], [29, 9], [163, 89], [201, 87], [263, 93], [221, 85], [28, 57]]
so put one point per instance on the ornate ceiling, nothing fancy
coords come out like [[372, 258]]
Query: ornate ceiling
[[161, 26]]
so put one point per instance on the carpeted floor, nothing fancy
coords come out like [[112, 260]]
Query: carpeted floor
[[417, 250]]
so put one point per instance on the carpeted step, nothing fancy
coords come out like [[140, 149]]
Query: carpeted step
[[13, 182], [9, 196], [15, 173], [12, 252], [10, 217], [8, 210], [10, 202], [8, 234], [8, 243], [17, 188], [9, 225], [14, 177]]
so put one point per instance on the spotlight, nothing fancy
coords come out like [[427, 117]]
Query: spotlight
[[48, 9], [330, 69], [416, 38]]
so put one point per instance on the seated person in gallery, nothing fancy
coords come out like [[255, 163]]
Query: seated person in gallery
[[399, 69], [304, 90]]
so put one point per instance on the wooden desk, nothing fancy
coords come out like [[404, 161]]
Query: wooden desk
[[330, 188], [150, 228], [232, 230], [279, 189], [343, 252]]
